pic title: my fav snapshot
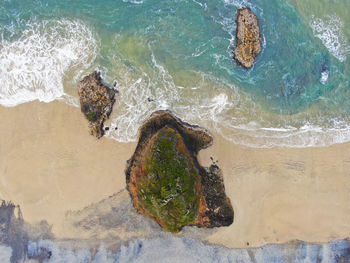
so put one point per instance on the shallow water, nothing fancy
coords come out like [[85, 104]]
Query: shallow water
[[178, 55]]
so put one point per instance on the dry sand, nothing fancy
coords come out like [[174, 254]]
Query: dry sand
[[284, 194], [50, 164]]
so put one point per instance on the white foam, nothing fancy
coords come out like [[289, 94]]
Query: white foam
[[201, 4], [324, 76], [138, 97], [329, 31], [238, 3], [218, 106], [133, 1], [33, 66]]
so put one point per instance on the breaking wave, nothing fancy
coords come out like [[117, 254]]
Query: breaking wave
[[329, 31], [33, 67], [133, 1], [50, 53], [220, 107]]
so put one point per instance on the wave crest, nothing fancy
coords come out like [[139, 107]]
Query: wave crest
[[33, 66], [329, 31]]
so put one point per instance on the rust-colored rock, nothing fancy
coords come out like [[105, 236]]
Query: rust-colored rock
[[248, 39], [96, 101], [166, 181]]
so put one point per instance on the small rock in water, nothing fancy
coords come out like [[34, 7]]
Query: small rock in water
[[248, 39], [96, 101], [106, 128]]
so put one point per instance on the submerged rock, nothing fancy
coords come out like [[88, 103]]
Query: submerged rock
[[248, 39], [166, 182], [96, 101]]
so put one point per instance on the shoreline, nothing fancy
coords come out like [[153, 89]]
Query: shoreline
[[53, 165]]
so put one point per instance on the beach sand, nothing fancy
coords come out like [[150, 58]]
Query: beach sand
[[284, 194], [50, 164]]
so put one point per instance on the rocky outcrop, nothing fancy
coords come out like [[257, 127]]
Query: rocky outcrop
[[248, 39], [96, 101], [166, 181]]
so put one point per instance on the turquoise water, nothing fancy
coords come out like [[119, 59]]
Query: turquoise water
[[178, 55]]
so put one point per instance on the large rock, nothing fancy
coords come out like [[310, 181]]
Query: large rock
[[166, 182], [248, 39], [96, 101]]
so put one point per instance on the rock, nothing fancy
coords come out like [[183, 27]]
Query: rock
[[96, 101], [166, 181], [248, 39]]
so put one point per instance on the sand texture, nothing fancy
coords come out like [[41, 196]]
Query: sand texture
[[50, 165]]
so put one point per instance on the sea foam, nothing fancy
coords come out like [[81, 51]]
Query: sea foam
[[329, 31], [33, 67], [133, 1], [219, 106]]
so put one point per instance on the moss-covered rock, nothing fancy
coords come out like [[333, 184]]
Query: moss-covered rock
[[248, 39], [166, 181], [167, 189], [96, 101]]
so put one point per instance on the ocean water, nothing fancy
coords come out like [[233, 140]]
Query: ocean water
[[177, 55]]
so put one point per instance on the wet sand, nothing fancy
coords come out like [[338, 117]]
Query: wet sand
[[50, 164]]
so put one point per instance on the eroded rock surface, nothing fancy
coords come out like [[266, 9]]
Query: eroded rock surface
[[96, 101], [166, 182], [248, 39]]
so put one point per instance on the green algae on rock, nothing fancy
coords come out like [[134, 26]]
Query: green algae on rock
[[248, 39], [96, 101], [167, 189], [166, 182]]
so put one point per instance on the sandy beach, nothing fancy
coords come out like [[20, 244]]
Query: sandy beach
[[50, 164], [284, 194]]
